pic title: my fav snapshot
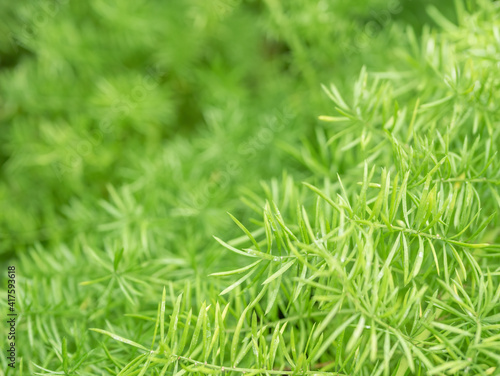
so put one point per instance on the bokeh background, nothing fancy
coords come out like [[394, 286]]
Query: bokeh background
[[112, 92]]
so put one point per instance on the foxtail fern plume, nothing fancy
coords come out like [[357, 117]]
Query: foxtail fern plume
[[213, 204], [383, 261]]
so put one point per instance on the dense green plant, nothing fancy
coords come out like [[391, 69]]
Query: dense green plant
[[361, 243]]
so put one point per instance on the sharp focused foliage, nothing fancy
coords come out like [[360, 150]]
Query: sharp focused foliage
[[259, 187]]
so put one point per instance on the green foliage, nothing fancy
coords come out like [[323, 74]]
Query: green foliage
[[363, 234]]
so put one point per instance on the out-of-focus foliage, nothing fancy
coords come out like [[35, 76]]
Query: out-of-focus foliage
[[130, 128]]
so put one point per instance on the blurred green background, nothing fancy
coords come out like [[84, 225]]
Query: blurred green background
[[113, 92]]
